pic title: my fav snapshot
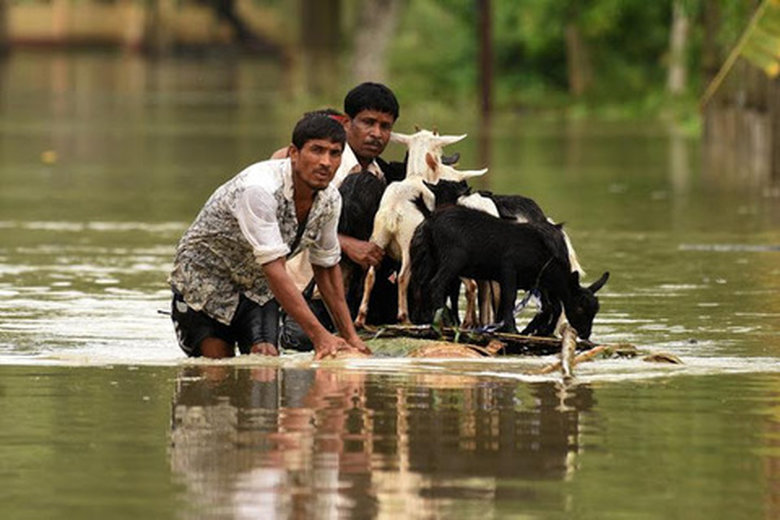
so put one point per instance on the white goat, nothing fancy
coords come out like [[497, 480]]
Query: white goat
[[397, 217], [424, 142]]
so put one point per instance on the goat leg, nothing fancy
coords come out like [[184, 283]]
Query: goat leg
[[368, 286], [403, 287], [488, 301], [545, 321], [470, 318], [439, 284], [454, 295], [508, 295]]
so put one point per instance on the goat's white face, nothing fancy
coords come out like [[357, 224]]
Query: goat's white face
[[425, 150], [437, 170], [420, 144]]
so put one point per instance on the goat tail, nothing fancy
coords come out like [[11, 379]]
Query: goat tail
[[424, 266]]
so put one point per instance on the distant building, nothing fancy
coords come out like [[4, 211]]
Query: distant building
[[140, 24]]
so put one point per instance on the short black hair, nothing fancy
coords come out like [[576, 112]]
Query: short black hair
[[318, 125], [371, 96]]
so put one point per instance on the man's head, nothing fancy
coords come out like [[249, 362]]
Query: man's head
[[372, 110], [315, 152]]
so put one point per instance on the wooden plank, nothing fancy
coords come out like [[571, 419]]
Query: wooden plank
[[515, 343]]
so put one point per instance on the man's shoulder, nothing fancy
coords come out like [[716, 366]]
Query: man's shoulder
[[277, 166], [268, 174]]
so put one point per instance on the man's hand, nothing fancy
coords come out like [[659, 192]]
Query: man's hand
[[330, 345], [358, 345], [365, 254]]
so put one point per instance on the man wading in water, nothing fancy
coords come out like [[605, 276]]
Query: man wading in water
[[229, 269], [371, 111]]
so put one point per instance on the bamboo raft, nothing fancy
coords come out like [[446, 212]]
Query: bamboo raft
[[449, 342], [513, 344]]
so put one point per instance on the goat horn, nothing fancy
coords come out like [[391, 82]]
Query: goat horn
[[598, 284], [444, 140], [465, 174], [417, 128], [398, 137]]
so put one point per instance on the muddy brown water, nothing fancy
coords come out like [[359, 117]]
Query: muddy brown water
[[104, 160]]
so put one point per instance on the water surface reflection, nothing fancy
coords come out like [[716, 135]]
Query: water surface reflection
[[296, 443]]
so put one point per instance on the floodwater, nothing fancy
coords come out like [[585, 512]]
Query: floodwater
[[104, 160]]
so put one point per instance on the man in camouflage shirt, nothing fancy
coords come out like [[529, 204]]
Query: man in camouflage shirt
[[229, 269]]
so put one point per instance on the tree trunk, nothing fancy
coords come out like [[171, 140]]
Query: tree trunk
[[60, 17], [677, 80], [3, 27], [321, 40], [485, 56], [485, 68], [577, 60], [710, 59], [158, 37], [376, 25], [774, 133]]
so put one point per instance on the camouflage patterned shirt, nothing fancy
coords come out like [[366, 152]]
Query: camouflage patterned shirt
[[247, 222]]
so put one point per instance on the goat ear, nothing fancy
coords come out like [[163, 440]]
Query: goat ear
[[400, 138], [598, 284], [431, 162], [444, 140]]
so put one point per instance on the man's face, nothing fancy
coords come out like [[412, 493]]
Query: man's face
[[316, 162], [368, 133]]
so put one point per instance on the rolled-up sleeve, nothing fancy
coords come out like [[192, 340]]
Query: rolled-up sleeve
[[326, 251], [256, 214]]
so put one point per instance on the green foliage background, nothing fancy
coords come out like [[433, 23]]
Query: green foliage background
[[435, 52]]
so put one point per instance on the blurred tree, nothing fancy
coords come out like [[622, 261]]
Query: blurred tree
[[376, 24], [321, 41], [158, 37], [226, 11], [485, 57], [434, 54], [3, 27], [577, 53], [677, 79], [710, 52]]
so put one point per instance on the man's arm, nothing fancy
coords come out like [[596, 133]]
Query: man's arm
[[331, 286], [363, 253], [292, 301]]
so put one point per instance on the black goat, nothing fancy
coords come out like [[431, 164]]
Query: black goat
[[360, 195], [457, 241], [446, 194], [514, 207]]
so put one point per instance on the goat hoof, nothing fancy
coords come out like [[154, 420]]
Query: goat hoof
[[360, 322], [509, 329]]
